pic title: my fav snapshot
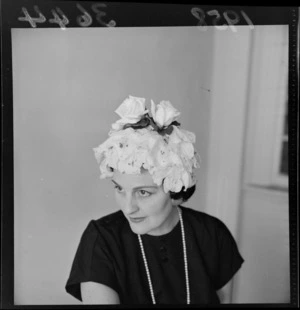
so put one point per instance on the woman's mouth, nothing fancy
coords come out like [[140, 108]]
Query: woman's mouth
[[136, 219]]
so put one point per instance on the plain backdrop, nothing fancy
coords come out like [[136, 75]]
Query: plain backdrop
[[66, 86]]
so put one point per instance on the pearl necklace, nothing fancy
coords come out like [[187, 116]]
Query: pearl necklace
[[185, 263]]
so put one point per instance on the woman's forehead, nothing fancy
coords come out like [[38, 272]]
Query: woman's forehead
[[133, 180]]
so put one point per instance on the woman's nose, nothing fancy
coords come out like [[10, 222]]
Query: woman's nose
[[130, 204]]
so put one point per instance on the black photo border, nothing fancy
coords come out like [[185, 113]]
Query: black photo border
[[136, 14]]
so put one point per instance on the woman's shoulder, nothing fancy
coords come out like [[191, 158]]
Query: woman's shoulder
[[111, 223], [114, 218], [203, 219], [199, 215], [211, 232]]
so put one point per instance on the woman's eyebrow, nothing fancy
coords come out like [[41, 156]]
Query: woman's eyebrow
[[115, 183], [145, 186], [138, 187]]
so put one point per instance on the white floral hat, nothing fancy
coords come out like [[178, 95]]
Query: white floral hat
[[155, 143]]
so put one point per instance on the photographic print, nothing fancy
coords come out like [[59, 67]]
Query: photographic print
[[149, 154]]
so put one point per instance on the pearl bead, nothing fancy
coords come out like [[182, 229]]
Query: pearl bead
[[188, 299]]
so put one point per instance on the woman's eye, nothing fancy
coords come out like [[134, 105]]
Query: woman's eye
[[144, 193]]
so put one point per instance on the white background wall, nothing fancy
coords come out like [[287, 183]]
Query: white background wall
[[67, 85], [263, 228]]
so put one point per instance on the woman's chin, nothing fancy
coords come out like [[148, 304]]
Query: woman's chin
[[138, 229]]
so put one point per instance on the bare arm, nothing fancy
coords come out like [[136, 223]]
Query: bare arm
[[96, 293], [225, 293]]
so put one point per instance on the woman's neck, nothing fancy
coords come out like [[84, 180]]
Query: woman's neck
[[168, 225]]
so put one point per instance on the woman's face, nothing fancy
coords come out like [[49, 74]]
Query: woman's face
[[146, 206]]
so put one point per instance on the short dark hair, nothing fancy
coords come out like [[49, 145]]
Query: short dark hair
[[185, 195]]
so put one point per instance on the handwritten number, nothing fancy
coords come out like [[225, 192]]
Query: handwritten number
[[99, 14], [217, 19], [32, 20], [57, 20], [200, 15], [84, 20], [231, 22], [248, 20]]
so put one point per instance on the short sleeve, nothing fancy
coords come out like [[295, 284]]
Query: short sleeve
[[92, 262], [229, 258]]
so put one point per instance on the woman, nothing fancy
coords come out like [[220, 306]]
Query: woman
[[153, 250]]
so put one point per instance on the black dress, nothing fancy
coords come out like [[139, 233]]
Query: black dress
[[109, 253]]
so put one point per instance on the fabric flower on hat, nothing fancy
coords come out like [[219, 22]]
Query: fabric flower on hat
[[155, 143], [131, 111], [164, 113], [173, 180]]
